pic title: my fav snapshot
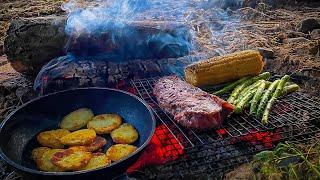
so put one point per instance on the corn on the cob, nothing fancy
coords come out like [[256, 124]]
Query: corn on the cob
[[224, 68]]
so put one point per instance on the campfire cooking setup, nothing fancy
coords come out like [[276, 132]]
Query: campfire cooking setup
[[122, 89]]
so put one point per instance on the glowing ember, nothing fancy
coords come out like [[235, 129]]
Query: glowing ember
[[162, 148], [222, 132], [267, 139]]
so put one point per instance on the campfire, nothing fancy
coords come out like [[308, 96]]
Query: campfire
[[129, 45]]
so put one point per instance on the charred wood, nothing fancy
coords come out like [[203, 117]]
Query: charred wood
[[68, 72]]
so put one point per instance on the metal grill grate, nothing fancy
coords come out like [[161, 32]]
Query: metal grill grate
[[239, 138]]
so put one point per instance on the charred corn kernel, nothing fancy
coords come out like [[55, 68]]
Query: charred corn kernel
[[226, 68]]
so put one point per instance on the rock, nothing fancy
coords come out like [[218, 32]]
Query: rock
[[220, 51], [1, 49], [298, 40], [307, 25], [294, 34], [232, 4], [281, 37], [245, 171], [249, 3], [266, 52], [314, 47], [25, 94], [3, 60], [315, 34]]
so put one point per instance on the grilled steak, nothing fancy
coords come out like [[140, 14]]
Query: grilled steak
[[190, 106]]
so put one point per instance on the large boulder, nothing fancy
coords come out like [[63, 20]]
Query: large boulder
[[315, 34], [307, 25]]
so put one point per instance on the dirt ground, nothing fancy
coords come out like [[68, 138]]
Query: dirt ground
[[262, 26]]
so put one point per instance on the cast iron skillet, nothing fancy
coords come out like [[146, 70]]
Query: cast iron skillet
[[19, 129]]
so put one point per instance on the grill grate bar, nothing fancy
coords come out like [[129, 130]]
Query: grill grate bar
[[256, 128], [255, 120], [287, 119], [314, 100], [307, 109], [242, 126]]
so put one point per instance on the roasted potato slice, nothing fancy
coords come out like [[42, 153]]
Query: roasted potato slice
[[79, 148], [119, 151], [37, 153], [125, 134], [76, 119], [71, 160], [97, 160], [45, 164], [52, 138], [79, 138], [105, 123], [98, 143]]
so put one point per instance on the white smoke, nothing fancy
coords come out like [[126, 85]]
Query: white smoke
[[87, 17]]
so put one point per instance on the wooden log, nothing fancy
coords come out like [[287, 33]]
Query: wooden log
[[65, 72], [33, 42]]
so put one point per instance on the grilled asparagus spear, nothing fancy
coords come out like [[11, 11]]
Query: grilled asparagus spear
[[231, 86], [290, 89], [274, 97], [246, 90], [246, 83], [287, 84], [266, 96], [245, 100], [268, 83], [256, 97]]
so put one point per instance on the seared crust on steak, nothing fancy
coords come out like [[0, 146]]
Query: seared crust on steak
[[190, 106]]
